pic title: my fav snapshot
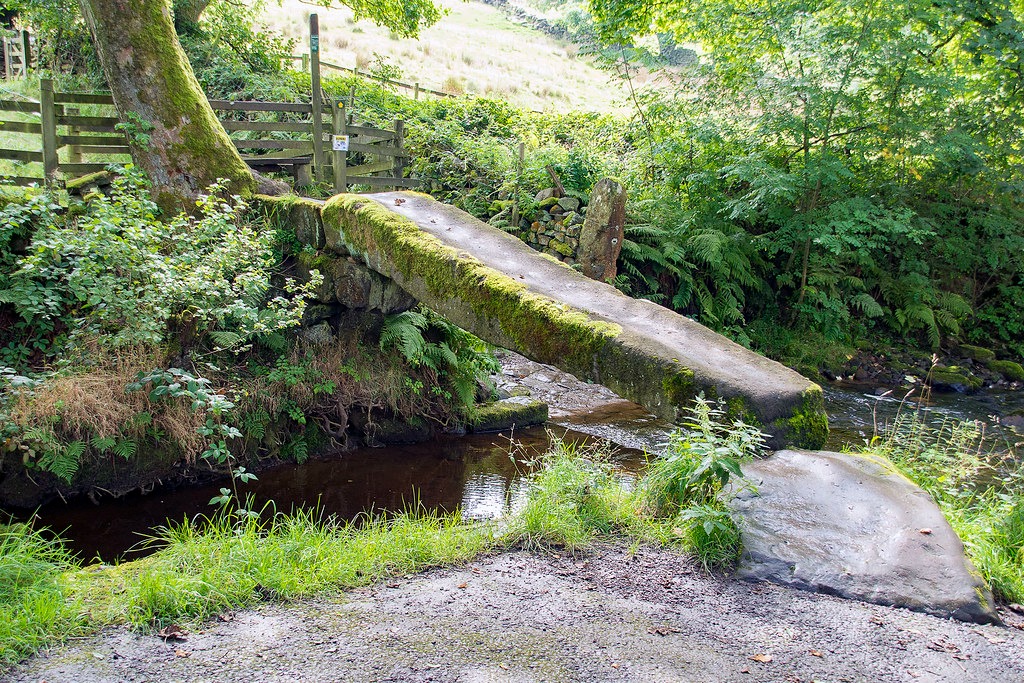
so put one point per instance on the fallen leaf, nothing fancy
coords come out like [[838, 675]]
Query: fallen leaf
[[763, 659], [393, 585], [182, 653], [172, 632], [817, 653], [503, 666], [745, 671], [662, 630], [225, 617], [615, 665], [461, 585], [992, 638], [399, 201], [926, 531]]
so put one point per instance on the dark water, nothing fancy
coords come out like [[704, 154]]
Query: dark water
[[474, 474]]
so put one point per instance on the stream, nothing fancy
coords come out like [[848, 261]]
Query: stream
[[481, 475]]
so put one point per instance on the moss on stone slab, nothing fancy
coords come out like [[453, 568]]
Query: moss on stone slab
[[954, 378], [298, 215], [680, 387], [808, 427], [481, 299], [501, 415], [99, 179], [1008, 369]]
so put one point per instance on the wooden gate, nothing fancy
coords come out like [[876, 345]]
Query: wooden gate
[[71, 134]]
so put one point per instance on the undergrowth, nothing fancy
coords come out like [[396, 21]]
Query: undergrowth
[[36, 606], [575, 495]]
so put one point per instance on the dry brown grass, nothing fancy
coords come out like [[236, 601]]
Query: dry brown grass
[[369, 383], [92, 403]]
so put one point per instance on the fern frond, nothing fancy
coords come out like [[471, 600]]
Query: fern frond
[[866, 304], [126, 448], [103, 443], [224, 339]]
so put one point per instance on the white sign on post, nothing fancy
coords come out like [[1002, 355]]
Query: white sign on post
[[339, 143]]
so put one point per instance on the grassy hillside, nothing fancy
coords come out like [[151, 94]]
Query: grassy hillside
[[474, 49]]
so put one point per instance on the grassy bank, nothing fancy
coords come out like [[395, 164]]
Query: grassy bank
[[210, 566], [206, 567]]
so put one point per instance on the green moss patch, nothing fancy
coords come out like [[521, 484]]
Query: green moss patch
[[808, 428], [508, 414], [977, 353], [432, 271], [954, 378], [1008, 369]]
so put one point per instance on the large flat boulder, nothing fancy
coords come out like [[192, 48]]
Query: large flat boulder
[[853, 526]]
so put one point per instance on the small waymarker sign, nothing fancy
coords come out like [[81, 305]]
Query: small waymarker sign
[[339, 143]]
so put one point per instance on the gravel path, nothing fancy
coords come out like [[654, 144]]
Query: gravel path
[[606, 615]]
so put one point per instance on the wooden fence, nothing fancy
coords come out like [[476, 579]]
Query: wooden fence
[[269, 135], [17, 54]]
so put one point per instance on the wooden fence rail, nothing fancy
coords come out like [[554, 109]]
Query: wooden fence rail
[[57, 135], [415, 88]]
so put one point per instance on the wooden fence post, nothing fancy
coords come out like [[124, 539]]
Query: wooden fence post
[[399, 146], [48, 119], [305, 61], [340, 157], [416, 91], [8, 49], [318, 122], [26, 54]]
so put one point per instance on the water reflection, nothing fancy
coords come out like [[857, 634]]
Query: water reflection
[[474, 474]]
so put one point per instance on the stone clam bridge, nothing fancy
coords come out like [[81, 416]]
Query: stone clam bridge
[[844, 524], [495, 286]]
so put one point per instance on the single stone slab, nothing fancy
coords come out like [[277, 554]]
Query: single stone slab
[[853, 526], [500, 289]]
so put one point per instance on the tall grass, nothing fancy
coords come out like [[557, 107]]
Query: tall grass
[[35, 605], [226, 563], [574, 494], [979, 488]]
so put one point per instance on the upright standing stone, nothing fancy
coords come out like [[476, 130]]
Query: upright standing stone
[[601, 236]]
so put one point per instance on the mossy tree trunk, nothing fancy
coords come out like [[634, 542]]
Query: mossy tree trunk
[[175, 136]]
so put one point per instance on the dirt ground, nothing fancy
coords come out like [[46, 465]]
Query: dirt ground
[[607, 615]]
